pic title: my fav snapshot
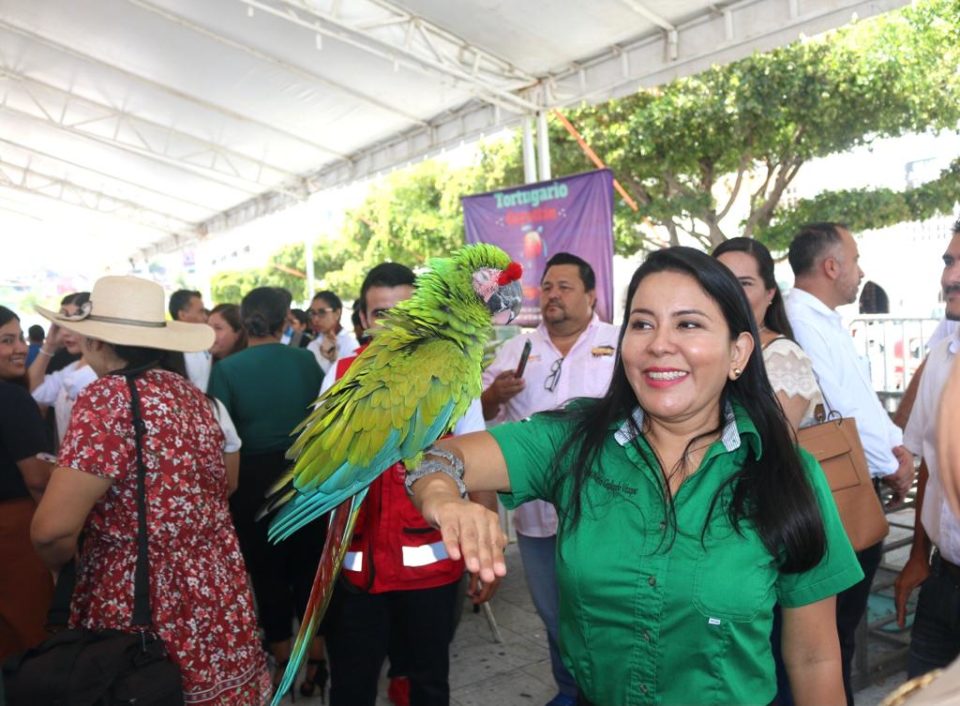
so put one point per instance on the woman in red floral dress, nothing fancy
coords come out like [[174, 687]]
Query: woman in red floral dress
[[200, 601]]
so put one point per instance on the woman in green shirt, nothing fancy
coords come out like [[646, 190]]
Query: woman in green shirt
[[268, 388], [686, 509]]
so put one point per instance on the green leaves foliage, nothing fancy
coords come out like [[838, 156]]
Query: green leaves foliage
[[410, 216], [731, 139], [867, 209]]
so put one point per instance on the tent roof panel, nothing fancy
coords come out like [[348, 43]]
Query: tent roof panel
[[197, 116]]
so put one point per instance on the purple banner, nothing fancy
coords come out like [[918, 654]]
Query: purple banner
[[533, 222]]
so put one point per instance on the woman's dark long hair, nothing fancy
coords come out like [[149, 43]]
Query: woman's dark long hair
[[264, 311], [140, 359], [6, 316], [773, 491], [776, 317]]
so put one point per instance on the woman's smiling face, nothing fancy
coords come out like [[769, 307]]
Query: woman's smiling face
[[677, 350], [13, 351]]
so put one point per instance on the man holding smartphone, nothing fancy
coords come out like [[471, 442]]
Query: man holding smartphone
[[571, 354]]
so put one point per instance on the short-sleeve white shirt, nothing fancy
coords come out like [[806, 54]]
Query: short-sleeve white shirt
[[920, 437]]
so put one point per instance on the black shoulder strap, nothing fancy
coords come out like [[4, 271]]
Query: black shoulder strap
[[141, 582], [59, 612]]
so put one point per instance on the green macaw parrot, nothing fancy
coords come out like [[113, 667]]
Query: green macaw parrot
[[411, 384]]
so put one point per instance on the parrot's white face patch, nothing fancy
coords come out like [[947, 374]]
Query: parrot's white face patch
[[485, 282]]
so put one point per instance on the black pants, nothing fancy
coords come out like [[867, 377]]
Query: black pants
[[851, 606], [361, 626], [935, 638], [282, 574]]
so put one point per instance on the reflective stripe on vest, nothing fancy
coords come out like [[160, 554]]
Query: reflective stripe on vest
[[353, 561], [425, 554]]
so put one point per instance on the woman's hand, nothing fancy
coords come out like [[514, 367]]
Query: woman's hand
[[52, 342], [914, 573], [470, 531], [328, 346]]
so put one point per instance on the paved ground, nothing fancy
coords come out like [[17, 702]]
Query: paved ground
[[517, 672]]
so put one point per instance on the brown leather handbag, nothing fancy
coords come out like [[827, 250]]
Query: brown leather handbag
[[835, 443]]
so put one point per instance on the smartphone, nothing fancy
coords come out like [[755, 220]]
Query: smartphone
[[521, 366]]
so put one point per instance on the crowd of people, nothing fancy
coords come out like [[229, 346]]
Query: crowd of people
[[678, 545]]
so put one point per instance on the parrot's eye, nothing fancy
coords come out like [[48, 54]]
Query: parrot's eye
[[485, 282]]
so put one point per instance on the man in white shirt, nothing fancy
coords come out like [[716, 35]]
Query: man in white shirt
[[187, 305], [572, 355], [935, 637], [824, 259]]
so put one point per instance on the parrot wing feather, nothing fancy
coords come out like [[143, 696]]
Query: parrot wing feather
[[388, 411]]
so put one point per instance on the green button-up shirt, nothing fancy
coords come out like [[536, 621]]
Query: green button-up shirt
[[649, 617]]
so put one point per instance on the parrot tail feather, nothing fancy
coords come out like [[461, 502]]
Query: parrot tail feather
[[340, 530], [280, 493], [275, 500]]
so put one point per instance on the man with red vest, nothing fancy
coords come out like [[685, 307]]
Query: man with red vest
[[400, 592]]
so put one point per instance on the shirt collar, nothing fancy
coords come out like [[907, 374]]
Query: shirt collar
[[736, 425], [594, 320], [801, 296]]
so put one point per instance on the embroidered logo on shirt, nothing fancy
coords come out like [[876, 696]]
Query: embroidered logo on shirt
[[614, 486], [602, 351]]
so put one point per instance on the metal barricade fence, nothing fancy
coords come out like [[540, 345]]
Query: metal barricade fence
[[893, 347]]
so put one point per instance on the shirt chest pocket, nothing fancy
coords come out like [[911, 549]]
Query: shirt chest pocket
[[734, 579]]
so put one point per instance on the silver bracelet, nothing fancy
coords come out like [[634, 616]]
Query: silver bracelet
[[437, 461]]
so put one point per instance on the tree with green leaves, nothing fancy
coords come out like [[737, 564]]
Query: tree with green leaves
[[712, 155], [410, 216]]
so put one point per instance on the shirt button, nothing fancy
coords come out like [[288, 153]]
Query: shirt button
[[652, 580], [643, 688], [663, 524], [646, 636]]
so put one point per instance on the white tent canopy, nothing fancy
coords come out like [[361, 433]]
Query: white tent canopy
[[167, 120]]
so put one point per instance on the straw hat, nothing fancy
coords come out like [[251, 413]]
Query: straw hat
[[130, 311]]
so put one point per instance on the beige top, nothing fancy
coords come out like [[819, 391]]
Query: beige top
[[791, 372]]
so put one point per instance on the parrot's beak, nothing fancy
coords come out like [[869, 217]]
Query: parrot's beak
[[505, 303]]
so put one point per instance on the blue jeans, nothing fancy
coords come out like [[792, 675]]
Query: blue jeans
[[539, 555], [935, 637]]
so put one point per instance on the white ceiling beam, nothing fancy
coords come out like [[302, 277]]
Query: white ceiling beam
[[176, 144], [758, 25], [30, 181], [436, 53], [248, 189], [672, 36], [34, 152], [168, 90], [276, 61], [648, 14]]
